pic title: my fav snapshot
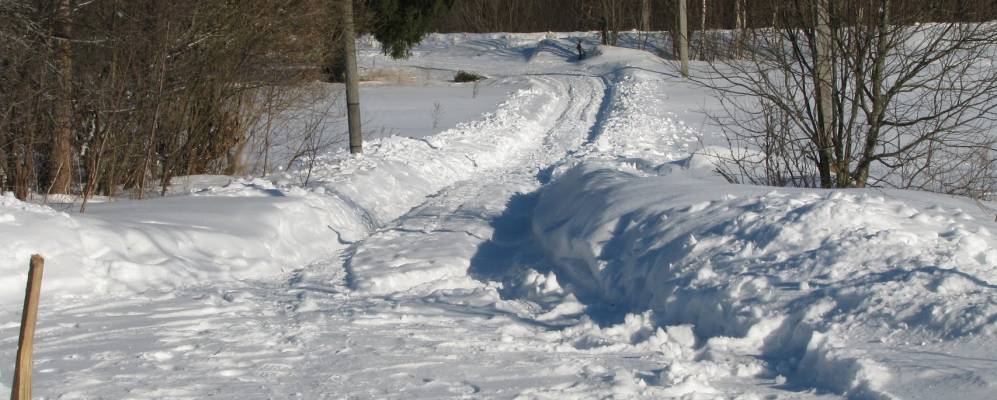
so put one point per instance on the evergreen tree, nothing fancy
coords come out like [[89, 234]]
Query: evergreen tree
[[401, 24]]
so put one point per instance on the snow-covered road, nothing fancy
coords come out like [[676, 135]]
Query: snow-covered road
[[567, 245]]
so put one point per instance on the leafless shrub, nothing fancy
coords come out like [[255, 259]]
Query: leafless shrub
[[294, 126], [315, 139], [869, 96], [119, 95], [436, 114]]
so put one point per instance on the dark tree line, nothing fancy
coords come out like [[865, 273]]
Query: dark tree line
[[105, 95], [112, 96], [590, 15]]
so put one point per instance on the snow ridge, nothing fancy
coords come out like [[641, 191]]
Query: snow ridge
[[786, 273]]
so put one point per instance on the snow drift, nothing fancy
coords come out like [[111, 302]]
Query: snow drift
[[247, 229], [784, 274]]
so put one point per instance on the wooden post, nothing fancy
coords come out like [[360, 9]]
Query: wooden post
[[352, 78], [684, 37], [25, 345]]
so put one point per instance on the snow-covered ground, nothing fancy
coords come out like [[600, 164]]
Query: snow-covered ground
[[571, 243]]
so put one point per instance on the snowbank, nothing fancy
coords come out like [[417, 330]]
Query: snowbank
[[784, 274], [247, 229], [397, 173]]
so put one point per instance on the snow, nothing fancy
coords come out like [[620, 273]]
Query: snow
[[570, 242], [246, 229], [410, 109], [784, 275]]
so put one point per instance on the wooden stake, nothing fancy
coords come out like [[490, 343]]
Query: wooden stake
[[25, 345]]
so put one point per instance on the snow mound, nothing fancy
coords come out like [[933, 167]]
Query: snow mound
[[782, 274], [248, 229]]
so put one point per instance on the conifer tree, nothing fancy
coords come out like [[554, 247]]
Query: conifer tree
[[401, 24]]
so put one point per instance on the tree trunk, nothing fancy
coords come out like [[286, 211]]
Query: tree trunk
[[823, 93], [702, 33], [684, 38], [614, 24], [352, 79], [739, 29], [739, 15], [22, 177], [605, 31], [95, 160], [60, 158], [151, 138], [645, 22], [879, 98]]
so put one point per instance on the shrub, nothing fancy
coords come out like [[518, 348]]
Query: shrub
[[464, 76]]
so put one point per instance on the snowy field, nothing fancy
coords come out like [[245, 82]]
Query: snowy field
[[557, 233]]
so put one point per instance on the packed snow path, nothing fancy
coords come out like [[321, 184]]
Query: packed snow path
[[436, 241], [527, 254]]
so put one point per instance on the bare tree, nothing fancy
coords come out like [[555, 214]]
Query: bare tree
[[740, 21], [23, 50], [837, 95], [645, 24], [703, 42], [142, 90], [612, 21], [60, 162]]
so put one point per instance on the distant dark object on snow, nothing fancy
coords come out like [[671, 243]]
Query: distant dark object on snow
[[464, 76]]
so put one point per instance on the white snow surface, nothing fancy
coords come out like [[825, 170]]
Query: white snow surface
[[571, 243]]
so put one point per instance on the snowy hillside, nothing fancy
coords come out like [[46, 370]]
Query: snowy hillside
[[571, 242]]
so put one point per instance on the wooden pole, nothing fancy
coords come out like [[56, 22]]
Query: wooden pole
[[352, 79], [25, 344], [684, 37]]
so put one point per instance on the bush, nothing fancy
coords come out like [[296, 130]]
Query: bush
[[464, 76]]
